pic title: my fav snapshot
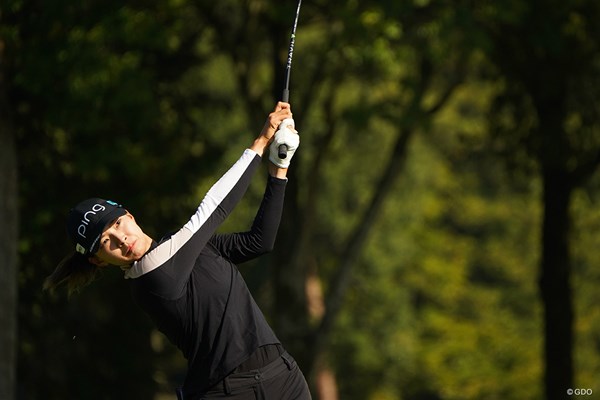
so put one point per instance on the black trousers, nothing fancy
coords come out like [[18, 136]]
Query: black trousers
[[279, 380]]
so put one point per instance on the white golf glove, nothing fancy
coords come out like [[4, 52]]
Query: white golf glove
[[287, 135]]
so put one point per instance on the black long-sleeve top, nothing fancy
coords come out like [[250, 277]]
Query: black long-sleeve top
[[189, 285]]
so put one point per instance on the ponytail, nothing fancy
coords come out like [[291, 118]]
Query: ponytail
[[75, 270]]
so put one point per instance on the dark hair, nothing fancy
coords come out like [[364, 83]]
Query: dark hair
[[75, 270]]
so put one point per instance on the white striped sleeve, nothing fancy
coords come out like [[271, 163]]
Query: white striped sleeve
[[211, 202]]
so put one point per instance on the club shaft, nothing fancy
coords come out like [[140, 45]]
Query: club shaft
[[285, 97]]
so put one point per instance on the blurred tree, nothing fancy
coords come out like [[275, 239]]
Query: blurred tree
[[102, 105], [547, 54], [389, 74], [586, 275], [8, 235], [396, 206]]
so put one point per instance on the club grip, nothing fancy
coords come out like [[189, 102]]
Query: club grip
[[282, 151]]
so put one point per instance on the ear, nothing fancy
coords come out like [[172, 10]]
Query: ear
[[95, 260]]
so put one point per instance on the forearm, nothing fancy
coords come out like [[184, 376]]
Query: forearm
[[266, 222], [277, 172], [260, 145], [267, 219]]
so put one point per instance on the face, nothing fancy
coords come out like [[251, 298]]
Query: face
[[121, 243]]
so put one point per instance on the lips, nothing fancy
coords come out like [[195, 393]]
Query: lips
[[130, 249]]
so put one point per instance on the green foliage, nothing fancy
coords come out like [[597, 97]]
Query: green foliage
[[587, 327], [447, 303]]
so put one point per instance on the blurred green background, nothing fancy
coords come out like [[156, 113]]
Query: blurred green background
[[440, 231]]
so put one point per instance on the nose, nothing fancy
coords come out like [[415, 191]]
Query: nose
[[118, 239]]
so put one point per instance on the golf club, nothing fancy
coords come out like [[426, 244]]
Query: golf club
[[286, 81]]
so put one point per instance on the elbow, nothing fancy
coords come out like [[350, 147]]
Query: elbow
[[265, 247], [265, 242], [262, 245], [269, 247]]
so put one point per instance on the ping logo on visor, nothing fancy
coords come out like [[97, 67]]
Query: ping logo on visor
[[87, 220]]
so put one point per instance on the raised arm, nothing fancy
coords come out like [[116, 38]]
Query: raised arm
[[182, 248], [260, 239]]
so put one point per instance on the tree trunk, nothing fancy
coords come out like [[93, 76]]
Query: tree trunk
[[554, 280], [555, 284], [354, 246], [8, 244]]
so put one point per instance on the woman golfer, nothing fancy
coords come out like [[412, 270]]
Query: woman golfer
[[188, 282]]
